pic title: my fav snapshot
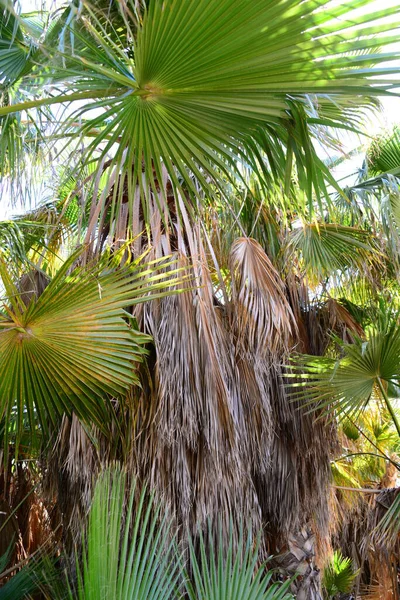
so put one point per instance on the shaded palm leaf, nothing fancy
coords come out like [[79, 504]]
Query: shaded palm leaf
[[365, 371], [327, 248], [21, 581], [387, 514], [20, 585]]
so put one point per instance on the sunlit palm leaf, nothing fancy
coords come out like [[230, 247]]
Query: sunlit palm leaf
[[384, 153], [380, 180], [73, 347], [14, 48], [23, 135], [192, 97], [224, 574], [339, 575], [120, 567]]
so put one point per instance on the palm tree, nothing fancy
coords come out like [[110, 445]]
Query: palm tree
[[189, 130]]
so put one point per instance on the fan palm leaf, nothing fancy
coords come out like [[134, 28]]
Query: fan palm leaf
[[384, 153], [232, 573], [117, 566], [74, 346], [326, 248], [339, 575], [191, 98], [365, 371]]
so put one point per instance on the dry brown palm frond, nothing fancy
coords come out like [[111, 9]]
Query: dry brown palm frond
[[213, 432], [389, 479], [384, 584], [383, 528], [73, 464], [294, 491], [193, 447], [32, 285], [216, 436], [263, 316], [342, 322], [318, 320], [379, 547]]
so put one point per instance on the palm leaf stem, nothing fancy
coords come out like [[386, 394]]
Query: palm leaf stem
[[84, 95], [352, 489], [361, 432], [389, 405], [396, 464]]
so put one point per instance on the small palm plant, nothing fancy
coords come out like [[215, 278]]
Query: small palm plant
[[339, 576]]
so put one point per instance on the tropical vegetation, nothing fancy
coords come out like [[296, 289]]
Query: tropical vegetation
[[199, 332]]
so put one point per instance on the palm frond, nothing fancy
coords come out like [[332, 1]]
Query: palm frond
[[14, 47], [73, 347], [326, 248], [385, 534], [348, 384], [260, 307], [383, 155], [339, 575], [116, 565], [222, 573], [27, 578], [191, 98]]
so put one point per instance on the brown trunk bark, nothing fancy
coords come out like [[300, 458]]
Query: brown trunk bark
[[300, 559]]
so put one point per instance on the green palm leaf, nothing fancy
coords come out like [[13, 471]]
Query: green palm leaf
[[117, 566], [339, 575], [21, 584], [74, 346], [233, 573], [348, 384], [14, 47], [194, 99], [327, 248], [384, 153]]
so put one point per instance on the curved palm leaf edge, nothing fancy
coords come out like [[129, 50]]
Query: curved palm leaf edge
[[130, 552]]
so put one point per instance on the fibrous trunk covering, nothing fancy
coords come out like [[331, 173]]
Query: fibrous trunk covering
[[218, 437], [215, 434]]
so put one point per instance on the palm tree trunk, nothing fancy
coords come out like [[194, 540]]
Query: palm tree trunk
[[300, 559]]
